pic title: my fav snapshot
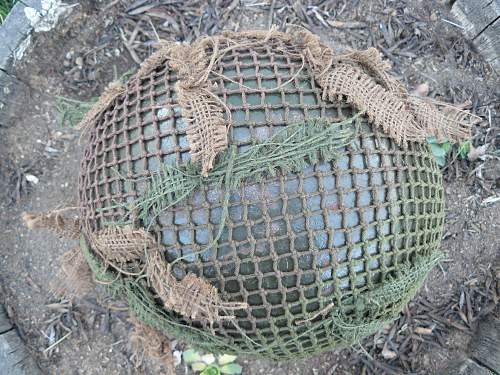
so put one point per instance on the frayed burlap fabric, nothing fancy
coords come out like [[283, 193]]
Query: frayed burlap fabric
[[122, 244], [192, 297], [54, 221], [207, 127], [148, 342], [75, 277], [361, 78], [362, 91]]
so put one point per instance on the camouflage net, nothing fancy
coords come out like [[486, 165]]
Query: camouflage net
[[344, 326], [269, 218], [361, 78]]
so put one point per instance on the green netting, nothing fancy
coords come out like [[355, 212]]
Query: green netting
[[372, 311], [289, 151], [323, 255]]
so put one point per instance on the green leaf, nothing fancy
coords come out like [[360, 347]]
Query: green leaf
[[208, 358], [437, 150], [211, 370], [441, 161], [432, 140], [198, 366], [226, 358], [446, 146], [231, 368], [464, 149], [190, 356]]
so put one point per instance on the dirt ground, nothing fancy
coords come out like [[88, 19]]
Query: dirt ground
[[86, 51]]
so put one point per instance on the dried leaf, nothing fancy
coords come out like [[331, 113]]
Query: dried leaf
[[422, 89], [388, 354], [476, 153], [232, 368], [424, 331], [191, 356], [224, 359], [33, 179]]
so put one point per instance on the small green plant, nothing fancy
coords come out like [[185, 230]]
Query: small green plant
[[206, 364], [72, 111], [5, 7], [464, 149], [441, 150]]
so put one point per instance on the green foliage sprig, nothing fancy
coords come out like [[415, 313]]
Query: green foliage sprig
[[207, 364], [441, 149], [290, 150], [5, 7]]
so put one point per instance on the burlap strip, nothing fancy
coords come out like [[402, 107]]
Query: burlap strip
[[362, 77], [75, 278], [207, 128], [192, 297], [203, 111], [119, 245], [345, 82], [147, 341], [53, 221]]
